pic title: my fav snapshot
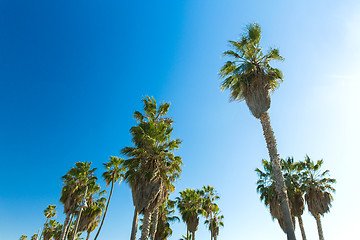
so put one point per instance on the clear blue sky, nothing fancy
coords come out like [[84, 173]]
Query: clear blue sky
[[73, 72]]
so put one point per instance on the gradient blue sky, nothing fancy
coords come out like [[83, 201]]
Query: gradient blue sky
[[73, 72]]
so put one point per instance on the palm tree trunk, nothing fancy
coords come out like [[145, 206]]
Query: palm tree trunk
[[107, 205], [88, 235], [278, 176], [187, 233], [63, 231], [193, 235], [320, 231], [43, 228], [155, 217], [302, 228], [68, 227], [134, 225], [146, 225]]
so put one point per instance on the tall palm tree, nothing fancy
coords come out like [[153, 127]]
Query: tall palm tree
[[209, 196], [115, 172], [74, 185], [151, 167], [318, 188], [266, 189], [250, 77], [190, 205]]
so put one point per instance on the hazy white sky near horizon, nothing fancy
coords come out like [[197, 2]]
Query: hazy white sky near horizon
[[74, 73]]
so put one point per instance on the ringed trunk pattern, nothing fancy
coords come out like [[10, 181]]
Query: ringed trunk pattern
[[320, 231], [146, 225], [134, 225], [302, 228], [278, 176]]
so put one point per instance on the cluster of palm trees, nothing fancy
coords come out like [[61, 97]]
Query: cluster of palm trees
[[250, 77], [194, 203], [150, 168], [304, 179]]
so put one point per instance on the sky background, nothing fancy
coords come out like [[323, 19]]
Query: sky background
[[73, 72]]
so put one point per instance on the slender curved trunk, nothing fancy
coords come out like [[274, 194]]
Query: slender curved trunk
[[193, 235], [146, 225], [107, 205], [155, 217], [43, 228], [320, 231], [68, 227], [134, 225], [88, 235], [302, 228], [64, 229], [211, 225], [278, 176]]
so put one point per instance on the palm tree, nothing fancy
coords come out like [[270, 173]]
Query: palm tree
[[74, 185], [292, 174], [318, 190], [209, 197], [151, 167], [190, 205], [250, 77], [52, 230], [49, 212], [23, 237], [34, 237], [266, 189], [91, 216], [115, 172], [215, 222], [166, 217]]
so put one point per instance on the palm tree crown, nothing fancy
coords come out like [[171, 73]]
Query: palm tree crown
[[151, 167], [249, 75]]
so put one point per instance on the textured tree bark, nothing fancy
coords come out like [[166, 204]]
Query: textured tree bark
[[193, 235], [64, 229], [107, 205], [278, 176], [134, 225], [320, 231], [302, 228], [155, 216], [146, 225]]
